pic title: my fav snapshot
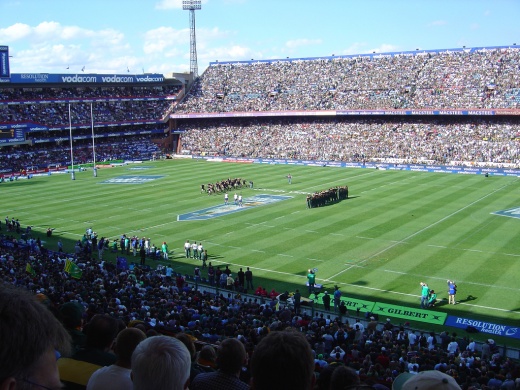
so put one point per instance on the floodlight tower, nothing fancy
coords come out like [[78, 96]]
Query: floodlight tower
[[192, 6]]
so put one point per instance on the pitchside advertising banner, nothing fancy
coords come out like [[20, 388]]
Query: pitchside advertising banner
[[37, 78], [409, 314], [461, 170], [483, 327], [339, 113], [4, 62]]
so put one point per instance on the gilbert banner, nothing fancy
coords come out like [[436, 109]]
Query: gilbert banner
[[410, 314]]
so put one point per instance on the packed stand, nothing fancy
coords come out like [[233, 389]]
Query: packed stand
[[482, 79], [119, 104], [404, 140], [374, 350], [28, 157]]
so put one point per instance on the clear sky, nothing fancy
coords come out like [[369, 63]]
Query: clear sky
[[136, 36]]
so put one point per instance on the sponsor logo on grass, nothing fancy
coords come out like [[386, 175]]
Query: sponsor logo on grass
[[131, 179], [512, 213], [222, 209], [140, 168]]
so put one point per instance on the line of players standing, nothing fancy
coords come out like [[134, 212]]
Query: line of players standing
[[332, 195], [196, 251]]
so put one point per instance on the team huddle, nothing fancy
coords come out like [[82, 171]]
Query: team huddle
[[223, 186]]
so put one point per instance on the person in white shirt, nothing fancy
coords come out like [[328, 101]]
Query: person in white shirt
[[200, 251], [430, 340], [337, 350], [117, 376], [412, 338], [194, 247], [187, 249], [453, 346], [471, 345], [235, 199]]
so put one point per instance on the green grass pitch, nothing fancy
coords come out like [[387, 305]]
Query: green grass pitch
[[397, 229]]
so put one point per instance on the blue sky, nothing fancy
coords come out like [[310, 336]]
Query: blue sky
[[113, 36]]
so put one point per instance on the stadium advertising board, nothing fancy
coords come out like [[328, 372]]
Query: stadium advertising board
[[483, 327], [461, 170], [396, 112], [37, 78], [355, 304], [410, 314], [4, 62], [11, 134]]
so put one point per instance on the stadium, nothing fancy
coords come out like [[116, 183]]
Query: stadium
[[428, 143]]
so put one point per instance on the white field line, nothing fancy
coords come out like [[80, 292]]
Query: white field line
[[424, 229]]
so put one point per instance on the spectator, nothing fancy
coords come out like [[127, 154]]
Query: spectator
[[425, 380], [101, 332], [231, 357], [161, 363], [30, 336], [283, 361], [117, 375]]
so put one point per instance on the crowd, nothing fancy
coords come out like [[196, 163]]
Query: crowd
[[27, 157], [461, 141], [106, 301], [464, 80], [117, 105]]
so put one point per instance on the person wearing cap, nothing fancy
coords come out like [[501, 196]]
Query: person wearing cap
[[372, 325], [230, 282], [321, 361], [425, 380], [326, 300], [388, 325]]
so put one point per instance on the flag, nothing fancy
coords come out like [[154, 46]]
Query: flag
[[29, 269], [72, 269]]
